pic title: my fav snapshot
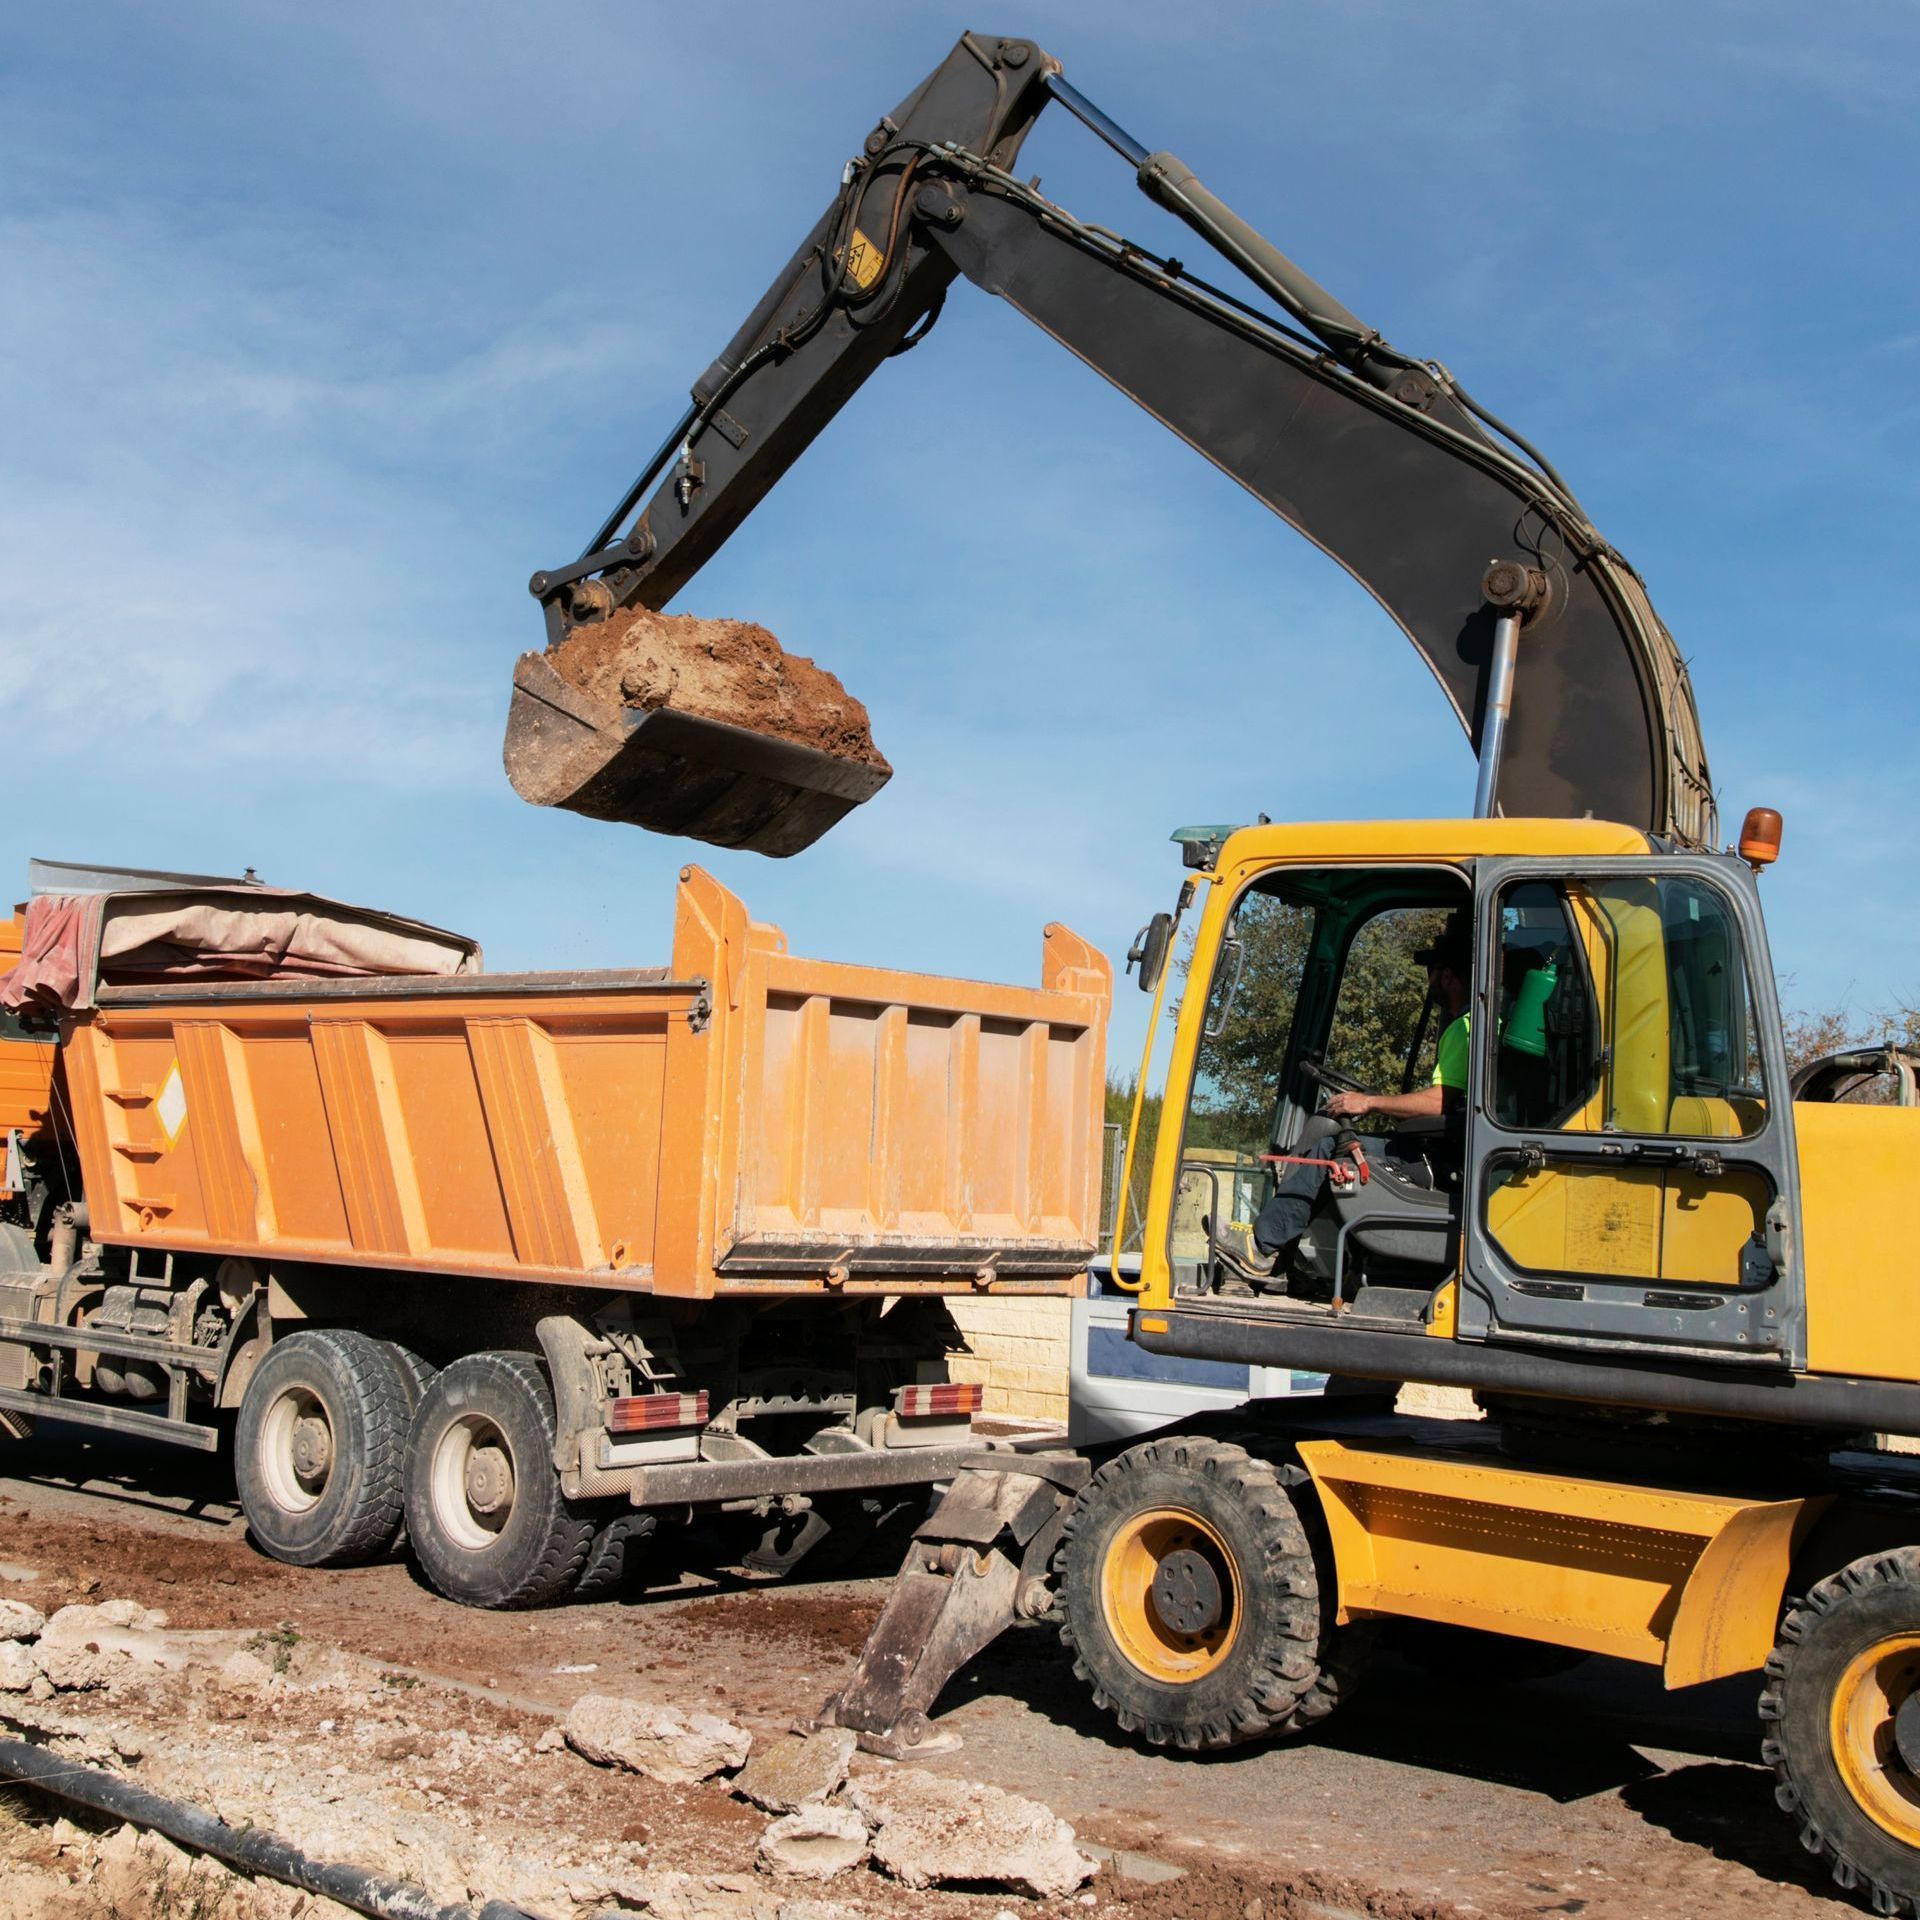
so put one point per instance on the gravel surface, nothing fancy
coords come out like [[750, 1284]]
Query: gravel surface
[[1593, 1794]]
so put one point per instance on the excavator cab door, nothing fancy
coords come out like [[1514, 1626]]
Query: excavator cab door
[[1631, 1173]]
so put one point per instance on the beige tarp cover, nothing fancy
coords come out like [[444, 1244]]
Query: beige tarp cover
[[75, 943], [180, 941]]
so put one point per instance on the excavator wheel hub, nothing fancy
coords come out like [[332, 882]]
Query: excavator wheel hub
[[1906, 1733], [1165, 1567], [1186, 1592]]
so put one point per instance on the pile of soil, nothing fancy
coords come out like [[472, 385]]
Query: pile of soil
[[727, 670]]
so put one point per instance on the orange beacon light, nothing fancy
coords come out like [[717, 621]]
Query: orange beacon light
[[1760, 837]]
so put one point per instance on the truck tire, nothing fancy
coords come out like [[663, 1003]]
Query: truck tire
[[1190, 1600], [616, 1546], [489, 1524], [1841, 1713], [419, 1375], [319, 1446]]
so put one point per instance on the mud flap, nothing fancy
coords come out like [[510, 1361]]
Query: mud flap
[[978, 1563]]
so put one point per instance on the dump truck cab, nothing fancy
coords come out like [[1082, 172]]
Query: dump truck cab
[[1627, 1182]]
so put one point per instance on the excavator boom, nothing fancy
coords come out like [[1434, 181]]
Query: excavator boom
[[1541, 636]]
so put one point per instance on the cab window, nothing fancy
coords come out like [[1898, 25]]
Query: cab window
[[1385, 1032], [1250, 1011], [1627, 1008], [1547, 1053]]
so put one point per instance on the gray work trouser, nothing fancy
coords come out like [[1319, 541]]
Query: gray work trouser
[[1284, 1218]]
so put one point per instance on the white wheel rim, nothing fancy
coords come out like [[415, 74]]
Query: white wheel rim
[[462, 1455], [297, 1450]]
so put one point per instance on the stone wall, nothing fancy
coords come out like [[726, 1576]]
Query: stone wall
[[1018, 1350]]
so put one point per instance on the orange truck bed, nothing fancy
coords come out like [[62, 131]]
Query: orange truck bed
[[741, 1122]]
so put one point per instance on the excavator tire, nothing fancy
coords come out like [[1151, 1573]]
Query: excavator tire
[[1190, 1598], [1841, 1713]]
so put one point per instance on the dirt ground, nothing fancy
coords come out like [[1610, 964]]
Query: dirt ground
[[403, 1733], [722, 669]]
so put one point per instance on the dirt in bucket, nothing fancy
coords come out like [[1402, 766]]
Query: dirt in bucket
[[727, 670]]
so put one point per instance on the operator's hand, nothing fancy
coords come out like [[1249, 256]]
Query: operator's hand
[[1350, 1106]]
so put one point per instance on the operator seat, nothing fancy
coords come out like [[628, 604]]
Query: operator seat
[[1386, 1218], [1394, 1218]]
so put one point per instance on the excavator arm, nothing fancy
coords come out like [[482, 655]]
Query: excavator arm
[[1539, 633]]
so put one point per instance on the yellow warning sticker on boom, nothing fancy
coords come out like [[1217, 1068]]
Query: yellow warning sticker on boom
[[864, 261]]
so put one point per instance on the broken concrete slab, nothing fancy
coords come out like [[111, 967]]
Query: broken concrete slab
[[244, 1672], [932, 1831], [125, 1613], [797, 1769], [85, 1646], [18, 1668], [1128, 1865], [18, 1621], [673, 1748], [814, 1843]]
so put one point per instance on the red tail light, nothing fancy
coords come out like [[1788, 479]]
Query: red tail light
[[647, 1412], [948, 1397]]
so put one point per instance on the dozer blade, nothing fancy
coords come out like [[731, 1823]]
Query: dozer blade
[[673, 772]]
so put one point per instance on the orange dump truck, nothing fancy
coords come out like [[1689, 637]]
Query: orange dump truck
[[519, 1261]]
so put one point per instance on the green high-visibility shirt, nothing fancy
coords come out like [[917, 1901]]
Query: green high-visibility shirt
[[1450, 1057]]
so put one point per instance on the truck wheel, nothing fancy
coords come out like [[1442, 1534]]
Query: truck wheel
[[419, 1376], [1190, 1599], [319, 1446], [1841, 1709], [488, 1521], [616, 1546]]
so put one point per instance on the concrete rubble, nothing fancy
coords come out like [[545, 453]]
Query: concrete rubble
[[83, 1646], [18, 1621], [676, 1749], [380, 1806], [814, 1843], [18, 1668], [795, 1771], [932, 1831]]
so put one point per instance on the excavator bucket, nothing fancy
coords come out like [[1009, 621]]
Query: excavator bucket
[[674, 772]]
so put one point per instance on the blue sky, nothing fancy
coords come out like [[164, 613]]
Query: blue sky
[[322, 327]]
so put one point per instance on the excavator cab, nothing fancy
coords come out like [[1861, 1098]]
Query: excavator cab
[[1615, 1169], [1325, 989]]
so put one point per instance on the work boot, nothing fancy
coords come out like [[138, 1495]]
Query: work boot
[[1246, 1269]]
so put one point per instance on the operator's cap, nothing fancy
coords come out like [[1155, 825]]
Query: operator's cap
[[1452, 947]]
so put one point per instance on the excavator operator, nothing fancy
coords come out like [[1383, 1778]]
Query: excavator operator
[[1422, 1159]]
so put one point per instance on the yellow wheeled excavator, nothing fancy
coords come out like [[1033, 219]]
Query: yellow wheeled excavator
[[1684, 1298]]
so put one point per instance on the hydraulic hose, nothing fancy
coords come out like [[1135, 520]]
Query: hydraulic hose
[[254, 1850]]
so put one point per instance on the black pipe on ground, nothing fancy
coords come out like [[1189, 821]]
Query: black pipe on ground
[[253, 1851]]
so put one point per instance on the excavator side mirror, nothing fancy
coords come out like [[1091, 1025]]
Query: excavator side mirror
[[1149, 950]]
